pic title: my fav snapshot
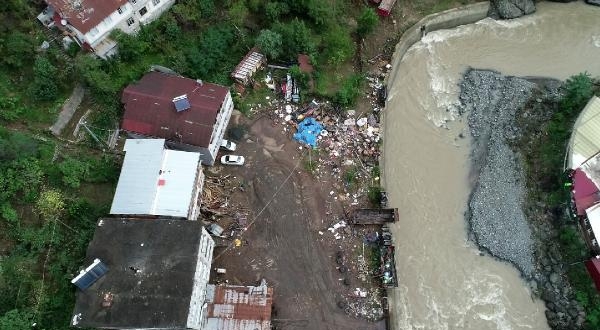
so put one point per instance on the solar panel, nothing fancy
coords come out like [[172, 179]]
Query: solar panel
[[90, 275], [181, 103]]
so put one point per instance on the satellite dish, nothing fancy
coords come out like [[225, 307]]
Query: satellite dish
[[63, 22]]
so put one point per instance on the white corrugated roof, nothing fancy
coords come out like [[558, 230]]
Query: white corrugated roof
[[593, 215], [154, 180], [585, 139]]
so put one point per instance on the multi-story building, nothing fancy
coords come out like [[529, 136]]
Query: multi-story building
[[190, 114], [144, 274], [158, 182], [90, 22]]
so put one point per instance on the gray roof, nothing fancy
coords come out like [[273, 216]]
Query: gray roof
[[151, 266], [155, 180]]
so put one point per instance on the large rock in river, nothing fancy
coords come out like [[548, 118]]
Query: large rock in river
[[593, 2], [505, 9]]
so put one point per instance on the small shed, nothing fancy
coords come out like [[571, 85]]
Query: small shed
[[385, 7], [244, 71]]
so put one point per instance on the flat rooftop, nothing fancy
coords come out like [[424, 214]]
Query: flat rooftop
[[155, 180], [151, 265]]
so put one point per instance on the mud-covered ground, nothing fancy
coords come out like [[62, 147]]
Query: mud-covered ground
[[287, 241]]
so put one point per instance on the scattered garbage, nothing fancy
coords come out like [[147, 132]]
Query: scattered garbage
[[308, 131]]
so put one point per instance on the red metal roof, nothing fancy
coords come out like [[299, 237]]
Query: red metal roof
[[149, 108], [593, 268], [585, 192], [240, 306], [84, 15]]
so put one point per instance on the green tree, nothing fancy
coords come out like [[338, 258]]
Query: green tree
[[238, 13], [270, 43], [51, 204], [44, 87], [366, 22], [17, 49], [207, 8], [275, 10], [578, 91], [17, 320], [296, 37]]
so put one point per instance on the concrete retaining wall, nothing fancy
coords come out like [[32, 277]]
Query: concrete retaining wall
[[444, 20]]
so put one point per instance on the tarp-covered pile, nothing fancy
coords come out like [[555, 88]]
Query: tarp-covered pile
[[308, 132]]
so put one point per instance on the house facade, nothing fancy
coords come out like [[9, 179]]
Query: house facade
[[191, 115], [144, 274], [158, 182], [90, 22]]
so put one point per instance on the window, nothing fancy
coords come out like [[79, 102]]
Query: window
[[143, 11], [155, 2], [133, 1], [120, 10], [130, 21]]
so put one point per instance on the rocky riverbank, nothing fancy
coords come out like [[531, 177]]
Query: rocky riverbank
[[501, 221]]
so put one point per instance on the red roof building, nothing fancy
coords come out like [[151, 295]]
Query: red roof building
[[84, 15], [190, 114], [385, 7], [90, 22]]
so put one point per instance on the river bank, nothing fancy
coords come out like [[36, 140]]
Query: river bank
[[446, 282], [501, 111]]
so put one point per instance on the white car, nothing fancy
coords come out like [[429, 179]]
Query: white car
[[228, 145], [232, 160]]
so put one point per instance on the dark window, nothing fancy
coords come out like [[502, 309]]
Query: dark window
[[133, 1], [130, 21], [155, 2], [143, 11], [120, 10]]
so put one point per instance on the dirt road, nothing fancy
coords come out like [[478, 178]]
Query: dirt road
[[283, 244]]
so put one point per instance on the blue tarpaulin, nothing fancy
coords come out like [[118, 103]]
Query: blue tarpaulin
[[308, 131]]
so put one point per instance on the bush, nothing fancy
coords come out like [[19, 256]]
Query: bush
[[74, 171], [366, 22], [339, 47], [296, 37], [374, 195], [349, 92], [44, 87]]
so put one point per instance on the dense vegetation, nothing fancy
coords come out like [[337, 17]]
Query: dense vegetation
[[53, 192], [545, 159]]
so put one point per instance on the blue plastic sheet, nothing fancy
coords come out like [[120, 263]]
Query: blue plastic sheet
[[308, 132]]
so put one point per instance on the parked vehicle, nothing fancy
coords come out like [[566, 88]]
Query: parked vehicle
[[232, 160], [215, 229], [228, 145]]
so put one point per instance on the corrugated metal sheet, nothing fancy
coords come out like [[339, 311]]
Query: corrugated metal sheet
[[249, 64], [155, 181], [585, 140], [149, 108], [239, 307], [593, 215], [85, 14]]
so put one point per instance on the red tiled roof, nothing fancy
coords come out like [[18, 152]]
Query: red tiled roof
[[149, 108], [593, 268], [585, 192], [84, 15]]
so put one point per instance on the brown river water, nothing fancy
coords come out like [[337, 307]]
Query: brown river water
[[444, 282]]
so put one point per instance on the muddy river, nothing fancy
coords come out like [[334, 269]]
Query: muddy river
[[444, 282]]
